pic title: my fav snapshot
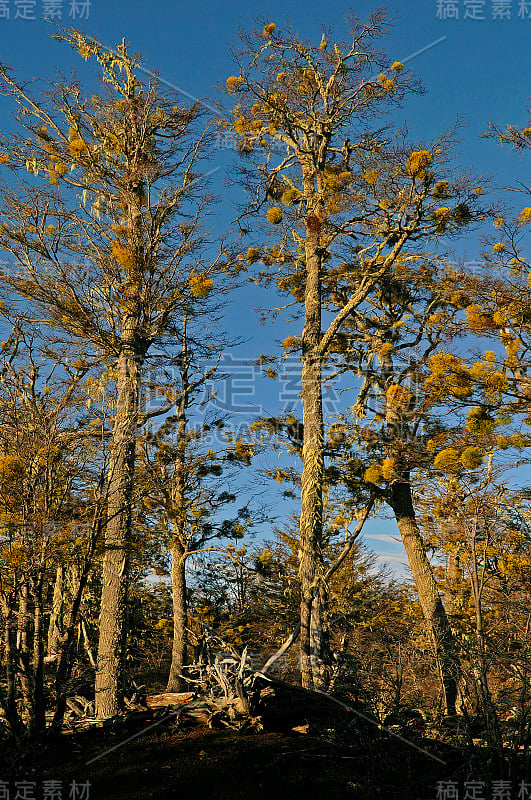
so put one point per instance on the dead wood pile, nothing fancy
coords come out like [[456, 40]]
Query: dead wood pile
[[224, 691]]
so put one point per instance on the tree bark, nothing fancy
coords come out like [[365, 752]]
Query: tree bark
[[25, 672], [432, 606], [9, 699], [179, 547], [55, 623], [180, 619], [111, 646], [313, 636], [452, 584], [39, 702]]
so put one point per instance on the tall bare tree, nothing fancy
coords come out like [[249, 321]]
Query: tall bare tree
[[349, 201], [107, 244]]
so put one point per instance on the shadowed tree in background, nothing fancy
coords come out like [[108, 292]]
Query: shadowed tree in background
[[50, 519]]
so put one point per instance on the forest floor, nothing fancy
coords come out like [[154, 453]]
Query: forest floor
[[162, 761]]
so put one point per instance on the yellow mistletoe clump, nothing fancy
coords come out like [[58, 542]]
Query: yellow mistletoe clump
[[385, 82], [448, 376], [336, 180], [4, 158], [385, 350], [498, 222], [388, 468], [398, 396], [123, 255], [290, 196], [447, 460], [291, 343], [253, 255], [233, 82], [85, 51], [471, 458], [200, 285], [417, 163], [281, 77], [459, 299], [479, 422], [397, 66], [442, 218], [495, 383], [77, 147], [525, 215], [440, 189], [499, 247], [373, 474], [477, 318], [240, 125], [268, 30], [276, 99], [274, 215]]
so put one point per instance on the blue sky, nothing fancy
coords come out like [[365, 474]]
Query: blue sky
[[479, 72]]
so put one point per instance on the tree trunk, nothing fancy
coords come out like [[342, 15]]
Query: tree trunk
[[86, 642], [56, 613], [66, 651], [111, 646], [179, 548], [25, 671], [9, 699], [180, 618], [313, 638], [452, 585], [429, 598], [320, 637], [39, 702]]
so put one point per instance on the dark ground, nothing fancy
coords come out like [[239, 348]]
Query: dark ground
[[171, 762]]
